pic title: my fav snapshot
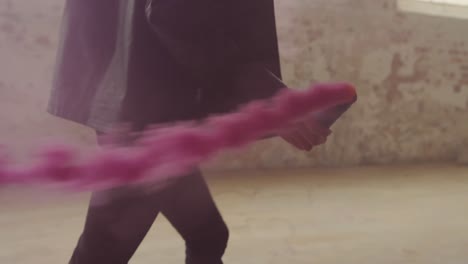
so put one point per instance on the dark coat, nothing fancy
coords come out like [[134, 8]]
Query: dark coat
[[153, 61]]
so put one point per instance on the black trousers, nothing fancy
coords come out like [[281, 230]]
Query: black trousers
[[114, 230]]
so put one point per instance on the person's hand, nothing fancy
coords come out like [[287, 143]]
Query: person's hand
[[306, 134]]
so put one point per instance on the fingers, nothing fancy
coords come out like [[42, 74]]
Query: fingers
[[316, 127], [301, 138], [306, 143], [294, 138], [316, 132], [307, 134]]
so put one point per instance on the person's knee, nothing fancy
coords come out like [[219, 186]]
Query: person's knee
[[210, 241], [222, 237]]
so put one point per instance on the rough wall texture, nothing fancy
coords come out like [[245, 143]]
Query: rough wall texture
[[411, 72]]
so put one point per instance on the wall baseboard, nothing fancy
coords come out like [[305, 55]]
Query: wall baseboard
[[434, 9]]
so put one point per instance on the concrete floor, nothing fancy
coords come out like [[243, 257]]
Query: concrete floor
[[373, 215]]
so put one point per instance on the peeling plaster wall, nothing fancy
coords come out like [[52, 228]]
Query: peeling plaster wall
[[412, 77], [411, 72]]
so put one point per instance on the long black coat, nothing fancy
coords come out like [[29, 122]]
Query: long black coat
[[152, 61]]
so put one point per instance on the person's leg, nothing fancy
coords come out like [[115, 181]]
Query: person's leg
[[191, 210], [114, 230]]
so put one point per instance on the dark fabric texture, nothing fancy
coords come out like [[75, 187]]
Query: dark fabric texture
[[114, 230], [154, 61]]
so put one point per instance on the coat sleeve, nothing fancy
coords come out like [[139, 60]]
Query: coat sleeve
[[87, 44]]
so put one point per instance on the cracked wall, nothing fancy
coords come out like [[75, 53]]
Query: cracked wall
[[411, 72]]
